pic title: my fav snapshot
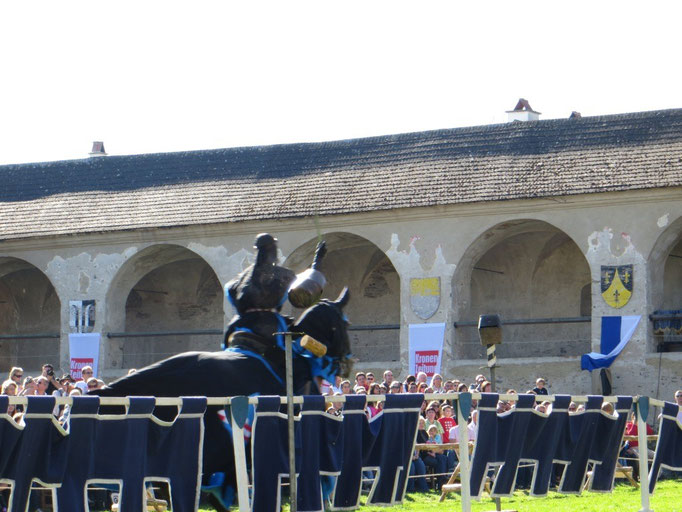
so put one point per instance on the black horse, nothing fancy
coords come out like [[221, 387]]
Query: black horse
[[232, 373]]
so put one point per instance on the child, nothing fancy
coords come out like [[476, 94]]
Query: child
[[434, 436], [433, 458], [447, 421]]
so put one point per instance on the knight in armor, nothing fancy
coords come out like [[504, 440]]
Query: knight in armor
[[259, 293]]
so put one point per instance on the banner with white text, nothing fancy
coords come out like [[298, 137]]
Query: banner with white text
[[83, 351], [426, 348]]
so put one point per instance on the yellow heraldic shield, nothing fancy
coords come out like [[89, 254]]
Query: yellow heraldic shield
[[425, 296], [616, 284]]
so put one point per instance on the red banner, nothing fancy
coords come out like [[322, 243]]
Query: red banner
[[426, 361]]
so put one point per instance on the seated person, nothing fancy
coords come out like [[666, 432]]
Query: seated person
[[630, 450], [432, 420], [336, 408], [607, 407], [472, 429], [544, 407], [435, 458], [447, 421]]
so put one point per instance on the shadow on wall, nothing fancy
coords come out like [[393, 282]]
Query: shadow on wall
[[29, 305], [526, 270]]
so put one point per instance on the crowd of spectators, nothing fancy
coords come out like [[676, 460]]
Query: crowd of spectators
[[47, 383], [438, 425]]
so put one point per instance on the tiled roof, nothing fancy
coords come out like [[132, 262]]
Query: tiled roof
[[443, 167]]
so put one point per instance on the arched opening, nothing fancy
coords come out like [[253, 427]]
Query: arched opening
[[374, 308], [665, 267], [536, 278], [172, 302], [29, 317]]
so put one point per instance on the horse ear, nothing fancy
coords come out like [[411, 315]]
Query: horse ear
[[344, 297]]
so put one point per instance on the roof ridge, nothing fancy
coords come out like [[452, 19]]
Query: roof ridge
[[374, 139]]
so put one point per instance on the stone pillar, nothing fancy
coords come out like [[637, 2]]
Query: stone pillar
[[87, 276], [607, 249], [408, 266]]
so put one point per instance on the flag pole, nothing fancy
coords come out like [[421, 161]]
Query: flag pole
[[293, 494]]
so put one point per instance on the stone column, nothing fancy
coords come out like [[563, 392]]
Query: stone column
[[408, 266], [607, 249]]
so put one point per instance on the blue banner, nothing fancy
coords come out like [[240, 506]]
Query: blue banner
[[616, 331]]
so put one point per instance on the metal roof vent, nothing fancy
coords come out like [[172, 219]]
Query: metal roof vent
[[98, 149], [522, 112]]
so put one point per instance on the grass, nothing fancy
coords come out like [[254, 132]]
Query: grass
[[624, 498], [667, 498]]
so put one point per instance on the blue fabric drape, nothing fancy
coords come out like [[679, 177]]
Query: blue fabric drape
[[269, 454], [124, 449], [524, 435], [325, 444], [607, 445], [321, 451], [358, 440], [669, 448], [39, 454], [669, 325], [392, 450]]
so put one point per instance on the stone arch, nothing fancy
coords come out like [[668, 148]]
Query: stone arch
[[665, 278], [374, 283], [524, 269], [163, 288], [29, 305]]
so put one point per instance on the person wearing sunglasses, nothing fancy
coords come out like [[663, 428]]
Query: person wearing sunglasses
[[86, 374], [15, 375]]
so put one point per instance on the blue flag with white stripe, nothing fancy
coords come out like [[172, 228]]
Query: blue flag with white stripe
[[616, 331]]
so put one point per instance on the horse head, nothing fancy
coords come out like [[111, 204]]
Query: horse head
[[326, 322]]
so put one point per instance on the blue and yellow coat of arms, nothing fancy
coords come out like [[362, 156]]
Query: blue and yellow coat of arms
[[616, 284]]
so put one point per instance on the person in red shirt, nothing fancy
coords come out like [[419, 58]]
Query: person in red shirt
[[631, 430], [631, 448], [447, 421]]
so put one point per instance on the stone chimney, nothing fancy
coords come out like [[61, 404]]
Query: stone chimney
[[522, 112], [98, 149]]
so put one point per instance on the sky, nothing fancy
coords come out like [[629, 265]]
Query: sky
[[148, 77]]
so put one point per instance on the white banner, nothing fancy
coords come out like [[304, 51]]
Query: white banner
[[83, 351], [426, 348]]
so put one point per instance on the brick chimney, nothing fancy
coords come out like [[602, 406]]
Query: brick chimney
[[98, 149], [522, 112]]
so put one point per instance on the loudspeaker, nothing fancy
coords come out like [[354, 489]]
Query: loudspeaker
[[490, 329]]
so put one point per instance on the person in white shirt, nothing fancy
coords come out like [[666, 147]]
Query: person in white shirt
[[86, 373], [678, 400], [472, 428]]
